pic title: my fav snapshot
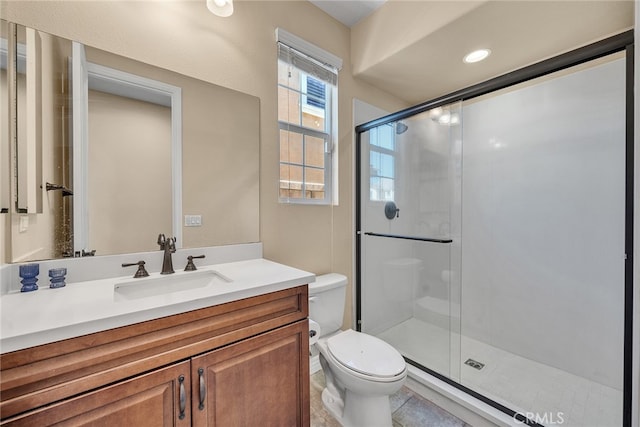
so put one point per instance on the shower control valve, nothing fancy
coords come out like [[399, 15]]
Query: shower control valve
[[391, 211]]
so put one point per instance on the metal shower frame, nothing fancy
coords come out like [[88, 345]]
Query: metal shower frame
[[623, 42]]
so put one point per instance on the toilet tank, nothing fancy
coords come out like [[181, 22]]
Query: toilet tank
[[326, 301]]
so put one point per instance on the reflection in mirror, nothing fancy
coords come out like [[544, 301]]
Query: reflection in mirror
[[5, 174], [126, 169], [135, 123], [29, 92], [135, 136], [4, 130], [40, 221]]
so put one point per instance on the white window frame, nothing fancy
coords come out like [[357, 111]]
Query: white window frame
[[331, 114]]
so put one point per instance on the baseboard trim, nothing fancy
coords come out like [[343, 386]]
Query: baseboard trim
[[456, 402]]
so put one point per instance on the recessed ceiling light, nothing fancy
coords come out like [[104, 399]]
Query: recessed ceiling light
[[476, 56]]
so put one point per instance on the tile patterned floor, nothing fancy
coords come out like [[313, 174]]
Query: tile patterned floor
[[408, 409]]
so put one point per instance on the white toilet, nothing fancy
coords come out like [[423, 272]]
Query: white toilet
[[361, 371]]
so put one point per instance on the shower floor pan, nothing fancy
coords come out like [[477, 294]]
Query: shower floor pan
[[517, 382]]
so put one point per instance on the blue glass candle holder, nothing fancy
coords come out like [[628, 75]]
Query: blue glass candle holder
[[57, 276], [29, 275]]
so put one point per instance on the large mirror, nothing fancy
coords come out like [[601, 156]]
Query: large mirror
[[109, 152]]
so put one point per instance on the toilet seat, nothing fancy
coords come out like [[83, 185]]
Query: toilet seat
[[366, 355]]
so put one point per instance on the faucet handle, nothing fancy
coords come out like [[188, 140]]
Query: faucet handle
[[142, 272], [190, 265]]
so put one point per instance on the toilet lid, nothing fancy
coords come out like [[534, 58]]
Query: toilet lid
[[366, 354]]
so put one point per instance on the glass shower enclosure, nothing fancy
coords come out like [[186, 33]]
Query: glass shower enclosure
[[491, 238]]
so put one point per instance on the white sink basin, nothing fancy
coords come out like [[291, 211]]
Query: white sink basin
[[178, 282]]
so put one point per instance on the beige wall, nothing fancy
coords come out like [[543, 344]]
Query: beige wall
[[133, 139], [424, 41], [398, 24], [240, 53]]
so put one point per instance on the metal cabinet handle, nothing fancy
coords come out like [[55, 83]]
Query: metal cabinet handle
[[203, 388], [183, 397]]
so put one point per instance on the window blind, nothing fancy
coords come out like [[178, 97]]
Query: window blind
[[307, 64], [316, 91]]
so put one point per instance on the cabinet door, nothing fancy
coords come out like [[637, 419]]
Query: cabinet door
[[159, 398], [261, 381]]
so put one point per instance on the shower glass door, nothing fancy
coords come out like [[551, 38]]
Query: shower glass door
[[410, 236], [491, 241]]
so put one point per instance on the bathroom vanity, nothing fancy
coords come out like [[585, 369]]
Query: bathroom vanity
[[234, 354]]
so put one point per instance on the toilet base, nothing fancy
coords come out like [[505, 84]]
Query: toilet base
[[358, 411], [333, 404]]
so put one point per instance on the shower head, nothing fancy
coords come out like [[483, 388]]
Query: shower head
[[401, 128]]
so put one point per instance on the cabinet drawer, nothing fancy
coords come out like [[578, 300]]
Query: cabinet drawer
[[37, 376], [159, 398]]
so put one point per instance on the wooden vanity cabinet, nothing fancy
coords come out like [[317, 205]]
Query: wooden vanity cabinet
[[255, 382], [243, 363], [151, 399]]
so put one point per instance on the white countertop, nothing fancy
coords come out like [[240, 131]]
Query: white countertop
[[48, 315]]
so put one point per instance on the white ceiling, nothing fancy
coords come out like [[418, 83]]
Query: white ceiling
[[349, 12], [519, 33]]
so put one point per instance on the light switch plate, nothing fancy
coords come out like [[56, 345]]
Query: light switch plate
[[24, 223], [193, 220]]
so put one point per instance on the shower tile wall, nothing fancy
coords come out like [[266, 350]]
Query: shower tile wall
[[543, 221]]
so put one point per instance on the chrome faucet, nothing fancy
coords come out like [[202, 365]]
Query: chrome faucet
[[168, 245]]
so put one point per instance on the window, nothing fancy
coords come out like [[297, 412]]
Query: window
[[382, 159], [316, 91], [307, 118]]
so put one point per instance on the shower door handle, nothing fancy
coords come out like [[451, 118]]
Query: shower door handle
[[420, 239]]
